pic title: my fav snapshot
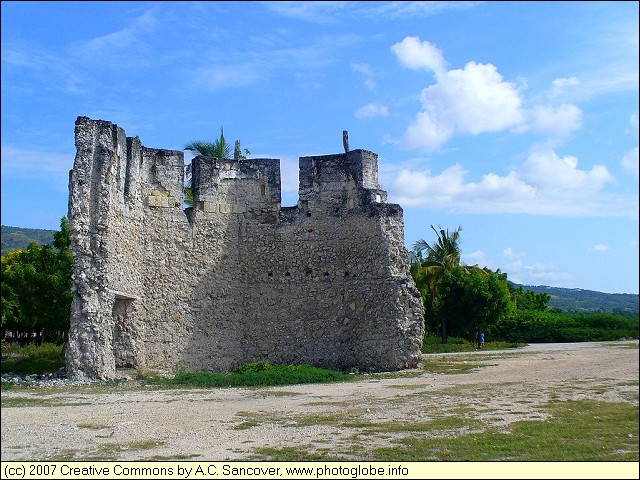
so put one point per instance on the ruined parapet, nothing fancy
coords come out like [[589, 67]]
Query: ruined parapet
[[339, 183], [236, 186], [236, 278]]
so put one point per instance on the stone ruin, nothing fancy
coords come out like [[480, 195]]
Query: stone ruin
[[236, 278]]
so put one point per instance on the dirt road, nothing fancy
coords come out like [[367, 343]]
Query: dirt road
[[499, 387]]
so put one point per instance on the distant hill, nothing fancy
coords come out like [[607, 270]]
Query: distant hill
[[19, 238], [578, 300]]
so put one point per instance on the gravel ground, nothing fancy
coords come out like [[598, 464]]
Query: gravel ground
[[70, 422]]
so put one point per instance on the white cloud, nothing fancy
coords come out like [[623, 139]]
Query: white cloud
[[127, 46], [475, 100], [248, 65], [544, 184], [560, 85], [418, 55], [600, 248], [226, 76], [449, 189], [427, 133], [366, 70], [26, 57], [334, 12], [371, 110], [469, 101], [519, 271], [316, 12], [478, 258], [630, 161], [557, 122], [511, 254], [613, 48], [548, 172], [413, 186], [418, 9]]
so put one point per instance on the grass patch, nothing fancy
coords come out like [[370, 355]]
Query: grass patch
[[31, 359], [450, 366], [276, 393], [93, 426], [344, 418], [252, 375], [106, 452], [9, 402], [578, 431], [98, 387], [246, 425], [294, 454], [433, 344], [179, 456]]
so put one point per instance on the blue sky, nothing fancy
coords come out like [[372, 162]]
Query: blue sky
[[517, 121]]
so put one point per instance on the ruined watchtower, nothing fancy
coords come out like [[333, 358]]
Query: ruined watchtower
[[236, 278]]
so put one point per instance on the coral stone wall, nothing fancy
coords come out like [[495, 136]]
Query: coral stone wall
[[236, 278]]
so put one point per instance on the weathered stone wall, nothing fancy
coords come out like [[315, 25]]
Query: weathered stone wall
[[236, 278]]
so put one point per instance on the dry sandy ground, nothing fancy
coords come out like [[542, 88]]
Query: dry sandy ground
[[230, 423]]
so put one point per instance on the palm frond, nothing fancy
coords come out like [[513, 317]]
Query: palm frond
[[202, 147]]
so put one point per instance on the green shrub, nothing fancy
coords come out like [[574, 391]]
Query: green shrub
[[253, 367], [254, 374], [32, 359], [554, 326], [432, 344], [459, 341]]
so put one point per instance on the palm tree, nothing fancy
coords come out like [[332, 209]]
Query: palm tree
[[217, 149], [430, 261]]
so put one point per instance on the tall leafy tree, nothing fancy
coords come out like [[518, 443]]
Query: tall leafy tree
[[528, 300], [10, 301], [36, 289], [430, 261], [472, 297]]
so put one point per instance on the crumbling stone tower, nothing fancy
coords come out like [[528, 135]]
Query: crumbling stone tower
[[236, 278]]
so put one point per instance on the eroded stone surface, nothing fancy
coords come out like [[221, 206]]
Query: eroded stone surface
[[236, 278]]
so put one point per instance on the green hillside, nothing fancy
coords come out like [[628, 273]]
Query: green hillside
[[578, 300], [14, 238]]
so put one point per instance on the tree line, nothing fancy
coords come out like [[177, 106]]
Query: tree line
[[459, 299], [36, 291]]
